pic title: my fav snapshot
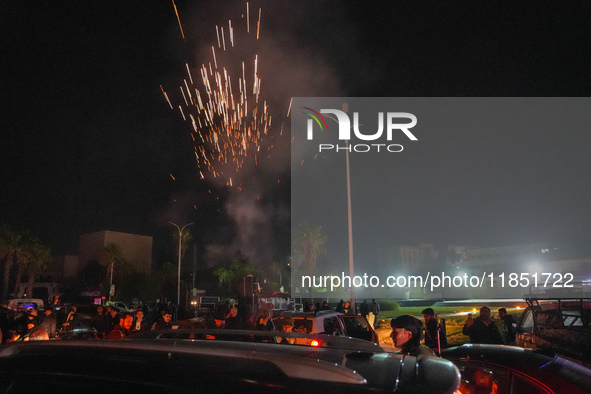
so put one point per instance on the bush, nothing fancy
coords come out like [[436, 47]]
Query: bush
[[389, 305]]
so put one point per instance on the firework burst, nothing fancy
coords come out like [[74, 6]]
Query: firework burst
[[221, 100]]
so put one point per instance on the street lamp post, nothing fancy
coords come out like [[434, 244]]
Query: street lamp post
[[178, 294]]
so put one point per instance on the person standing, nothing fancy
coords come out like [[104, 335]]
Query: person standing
[[233, 321], [139, 322], [435, 337], [111, 319], [264, 321], [374, 311], [70, 323], [98, 321], [509, 326], [482, 329], [364, 309], [347, 308]]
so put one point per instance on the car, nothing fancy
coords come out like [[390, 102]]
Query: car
[[25, 303], [179, 365], [503, 369], [331, 323], [121, 307], [83, 328]]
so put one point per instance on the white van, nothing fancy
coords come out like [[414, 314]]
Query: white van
[[25, 303]]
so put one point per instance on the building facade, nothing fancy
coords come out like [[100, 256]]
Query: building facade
[[137, 249]]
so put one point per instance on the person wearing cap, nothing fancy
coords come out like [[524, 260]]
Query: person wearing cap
[[407, 332], [287, 326]]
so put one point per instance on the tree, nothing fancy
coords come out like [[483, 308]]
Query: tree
[[223, 274], [185, 239], [166, 276], [9, 242], [309, 243], [24, 256], [39, 256], [109, 256]]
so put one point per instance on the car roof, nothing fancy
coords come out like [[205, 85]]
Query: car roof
[[159, 365], [207, 366], [242, 336]]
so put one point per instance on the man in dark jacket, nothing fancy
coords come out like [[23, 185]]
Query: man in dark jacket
[[509, 326], [374, 311], [434, 334], [482, 329], [139, 322], [163, 322], [122, 329], [407, 332], [364, 309], [70, 323], [233, 321]]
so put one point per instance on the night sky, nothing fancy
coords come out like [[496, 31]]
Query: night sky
[[89, 142]]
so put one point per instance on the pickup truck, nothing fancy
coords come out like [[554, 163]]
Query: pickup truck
[[558, 321]]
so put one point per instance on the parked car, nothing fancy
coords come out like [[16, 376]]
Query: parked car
[[515, 370], [120, 306], [331, 323], [195, 366], [25, 303], [83, 328]]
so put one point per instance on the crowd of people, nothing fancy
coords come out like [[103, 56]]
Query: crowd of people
[[25, 324], [107, 323], [409, 334]]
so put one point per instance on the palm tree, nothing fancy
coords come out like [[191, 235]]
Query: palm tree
[[309, 243], [186, 238], [224, 275], [23, 257], [165, 275], [40, 255], [110, 255], [9, 242]]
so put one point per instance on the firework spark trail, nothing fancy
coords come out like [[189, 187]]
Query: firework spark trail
[[225, 132], [179, 19]]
